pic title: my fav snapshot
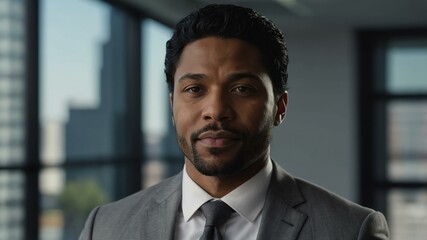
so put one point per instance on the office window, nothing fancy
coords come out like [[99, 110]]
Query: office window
[[71, 128], [393, 131], [88, 141], [162, 155]]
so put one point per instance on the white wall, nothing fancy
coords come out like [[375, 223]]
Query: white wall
[[318, 139]]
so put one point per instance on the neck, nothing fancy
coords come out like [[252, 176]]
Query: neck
[[220, 186]]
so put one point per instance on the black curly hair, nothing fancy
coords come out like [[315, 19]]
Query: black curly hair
[[230, 21]]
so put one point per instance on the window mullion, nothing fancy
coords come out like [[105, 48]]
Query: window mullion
[[32, 143]]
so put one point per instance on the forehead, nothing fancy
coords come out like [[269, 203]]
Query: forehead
[[224, 53]]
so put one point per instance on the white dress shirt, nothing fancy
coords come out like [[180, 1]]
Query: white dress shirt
[[247, 200]]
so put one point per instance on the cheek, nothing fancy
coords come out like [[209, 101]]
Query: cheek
[[257, 118], [184, 120]]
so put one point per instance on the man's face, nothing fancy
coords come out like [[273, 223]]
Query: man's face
[[223, 106]]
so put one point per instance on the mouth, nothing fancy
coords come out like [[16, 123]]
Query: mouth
[[217, 139]]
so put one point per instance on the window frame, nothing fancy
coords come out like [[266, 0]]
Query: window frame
[[373, 182], [31, 167]]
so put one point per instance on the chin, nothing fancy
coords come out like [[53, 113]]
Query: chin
[[218, 166]]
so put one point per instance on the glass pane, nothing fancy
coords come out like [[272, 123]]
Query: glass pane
[[406, 66], [83, 81], [159, 134], [408, 214], [154, 88], [407, 141], [68, 196], [11, 205], [12, 87]]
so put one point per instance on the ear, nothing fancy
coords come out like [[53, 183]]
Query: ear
[[171, 100], [282, 105], [171, 106]]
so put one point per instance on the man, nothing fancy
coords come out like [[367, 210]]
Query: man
[[226, 68]]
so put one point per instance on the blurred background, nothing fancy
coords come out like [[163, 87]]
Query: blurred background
[[84, 115]]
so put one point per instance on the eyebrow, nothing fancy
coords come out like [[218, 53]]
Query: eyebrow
[[192, 76], [240, 75], [232, 77]]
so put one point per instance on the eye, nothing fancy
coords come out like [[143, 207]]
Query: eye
[[193, 89], [244, 90]]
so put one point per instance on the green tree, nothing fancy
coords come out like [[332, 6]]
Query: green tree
[[77, 200]]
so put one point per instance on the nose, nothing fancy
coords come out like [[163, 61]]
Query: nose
[[218, 107]]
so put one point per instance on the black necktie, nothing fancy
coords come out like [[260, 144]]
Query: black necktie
[[216, 213]]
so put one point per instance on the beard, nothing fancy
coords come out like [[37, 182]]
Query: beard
[[252, 148]]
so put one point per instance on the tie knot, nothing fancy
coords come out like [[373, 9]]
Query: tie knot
[[216, 212]]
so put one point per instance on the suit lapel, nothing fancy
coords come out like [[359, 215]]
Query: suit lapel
[[161, 217], [157, 220], [280, 219]]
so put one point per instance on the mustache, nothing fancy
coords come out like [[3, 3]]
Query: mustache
[[216, 127]]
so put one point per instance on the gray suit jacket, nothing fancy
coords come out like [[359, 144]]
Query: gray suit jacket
[[294, 209]]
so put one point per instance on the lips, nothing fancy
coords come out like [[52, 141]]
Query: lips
[[218, 139]]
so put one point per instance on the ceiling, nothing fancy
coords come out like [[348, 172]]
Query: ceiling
[[288, 13]]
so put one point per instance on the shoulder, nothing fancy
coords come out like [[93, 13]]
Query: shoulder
[[319, 199], [302, 194], [112, 220], [328, 214], [338, 218], [145, 197]]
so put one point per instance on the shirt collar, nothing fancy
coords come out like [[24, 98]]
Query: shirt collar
[[247, 199]]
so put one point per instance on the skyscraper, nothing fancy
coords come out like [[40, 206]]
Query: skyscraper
[[12, 128], [97, 134]]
